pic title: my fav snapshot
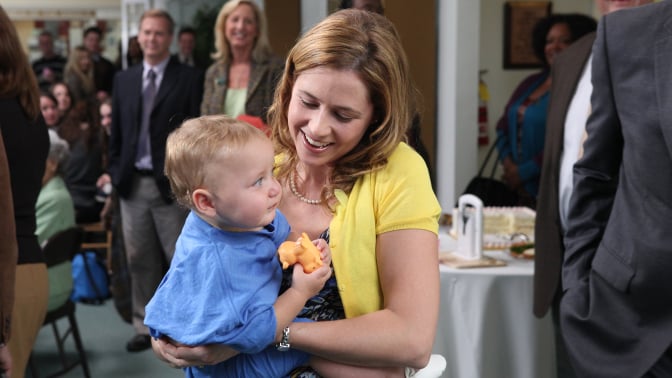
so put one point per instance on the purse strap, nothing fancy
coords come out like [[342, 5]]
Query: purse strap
[[487, 159]]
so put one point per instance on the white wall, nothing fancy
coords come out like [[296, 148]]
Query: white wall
[[458, 57]]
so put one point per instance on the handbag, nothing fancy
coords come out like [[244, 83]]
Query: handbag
[[90, 280], [491, 191]]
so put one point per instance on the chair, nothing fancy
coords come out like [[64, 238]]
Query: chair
[[434, 369], [61, 248], [97, 236]]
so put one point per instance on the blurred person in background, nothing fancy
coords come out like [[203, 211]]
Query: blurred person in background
[[79, 76], [186, 43], [49, 110], [26, 145], [133, 53], [375, 6], [50, 66], [103, 69], [54, 212], [522, 127], [81, 129], [63, 95], [243, 77]]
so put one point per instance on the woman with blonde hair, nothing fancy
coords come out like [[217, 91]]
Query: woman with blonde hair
[[245, 72], [27, 144], [339, 120], [79, 75]]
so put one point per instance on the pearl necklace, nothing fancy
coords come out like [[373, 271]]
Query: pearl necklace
[[301, 197]]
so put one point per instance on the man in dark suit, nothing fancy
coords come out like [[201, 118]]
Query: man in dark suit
[[186, 44], [149, 101], [568, 112], [615, 312], [103, 69]]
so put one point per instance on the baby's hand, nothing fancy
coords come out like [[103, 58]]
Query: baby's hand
[[310, 284]]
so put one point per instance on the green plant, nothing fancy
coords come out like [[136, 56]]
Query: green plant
[[204, 24]]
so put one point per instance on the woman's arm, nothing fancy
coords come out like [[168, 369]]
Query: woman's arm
[[402, 333], [8, 253]]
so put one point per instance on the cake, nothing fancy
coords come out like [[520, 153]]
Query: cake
[[507, 221]]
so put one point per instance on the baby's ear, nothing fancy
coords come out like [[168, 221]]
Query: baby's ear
[[202, 200]]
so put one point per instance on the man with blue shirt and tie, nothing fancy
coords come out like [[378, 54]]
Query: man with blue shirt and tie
[[149, 101]]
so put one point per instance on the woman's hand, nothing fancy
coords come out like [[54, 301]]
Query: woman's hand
[[103, 180], [325, 251], [511, 176], [180, 356]]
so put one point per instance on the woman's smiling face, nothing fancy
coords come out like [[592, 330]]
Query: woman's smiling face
[[49, 111], [328, 114], [241, 27]]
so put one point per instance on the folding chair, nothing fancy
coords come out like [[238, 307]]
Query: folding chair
[[60, 248]]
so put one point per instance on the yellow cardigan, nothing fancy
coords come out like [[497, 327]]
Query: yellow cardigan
[[398, 196]]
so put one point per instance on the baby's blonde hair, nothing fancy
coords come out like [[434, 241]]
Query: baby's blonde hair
[[199, 142]]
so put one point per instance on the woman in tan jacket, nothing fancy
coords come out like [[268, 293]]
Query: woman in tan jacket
[[243, 78]]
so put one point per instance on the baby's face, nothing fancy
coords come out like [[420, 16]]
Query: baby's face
[[244, 191]]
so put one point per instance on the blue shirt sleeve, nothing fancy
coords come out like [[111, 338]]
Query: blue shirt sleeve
[[220, 288]]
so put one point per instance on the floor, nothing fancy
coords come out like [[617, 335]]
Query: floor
[[104, 335]]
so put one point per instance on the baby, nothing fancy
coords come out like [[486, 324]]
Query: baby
[[223, 282]]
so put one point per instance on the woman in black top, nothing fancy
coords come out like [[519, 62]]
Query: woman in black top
[[27, 144]]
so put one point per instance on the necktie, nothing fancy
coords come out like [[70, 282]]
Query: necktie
[[144, 156]]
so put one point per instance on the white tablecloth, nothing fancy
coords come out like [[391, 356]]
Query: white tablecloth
[[486, 326]]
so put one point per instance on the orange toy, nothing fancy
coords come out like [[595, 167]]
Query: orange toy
[[302, 251]]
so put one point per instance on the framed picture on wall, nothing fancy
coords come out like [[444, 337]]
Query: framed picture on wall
[[519, 20]]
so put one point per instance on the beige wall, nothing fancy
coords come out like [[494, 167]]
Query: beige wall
[[284, 24], [25, 31], [416, 23]]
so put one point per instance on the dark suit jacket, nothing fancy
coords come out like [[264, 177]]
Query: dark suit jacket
[[260, 89], [178, 98], [566, 74], [616, 310], [198, 63], [103, 74]]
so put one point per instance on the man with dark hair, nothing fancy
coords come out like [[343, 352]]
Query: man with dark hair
[[368, 5], [103, 69], [186, 43], [48, 68]]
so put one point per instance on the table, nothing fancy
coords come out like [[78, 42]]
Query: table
[[486, 326]]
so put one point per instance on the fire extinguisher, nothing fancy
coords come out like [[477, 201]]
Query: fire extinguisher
[[483, 97]]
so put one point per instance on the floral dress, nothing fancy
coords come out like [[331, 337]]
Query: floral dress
[[326, 305]]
